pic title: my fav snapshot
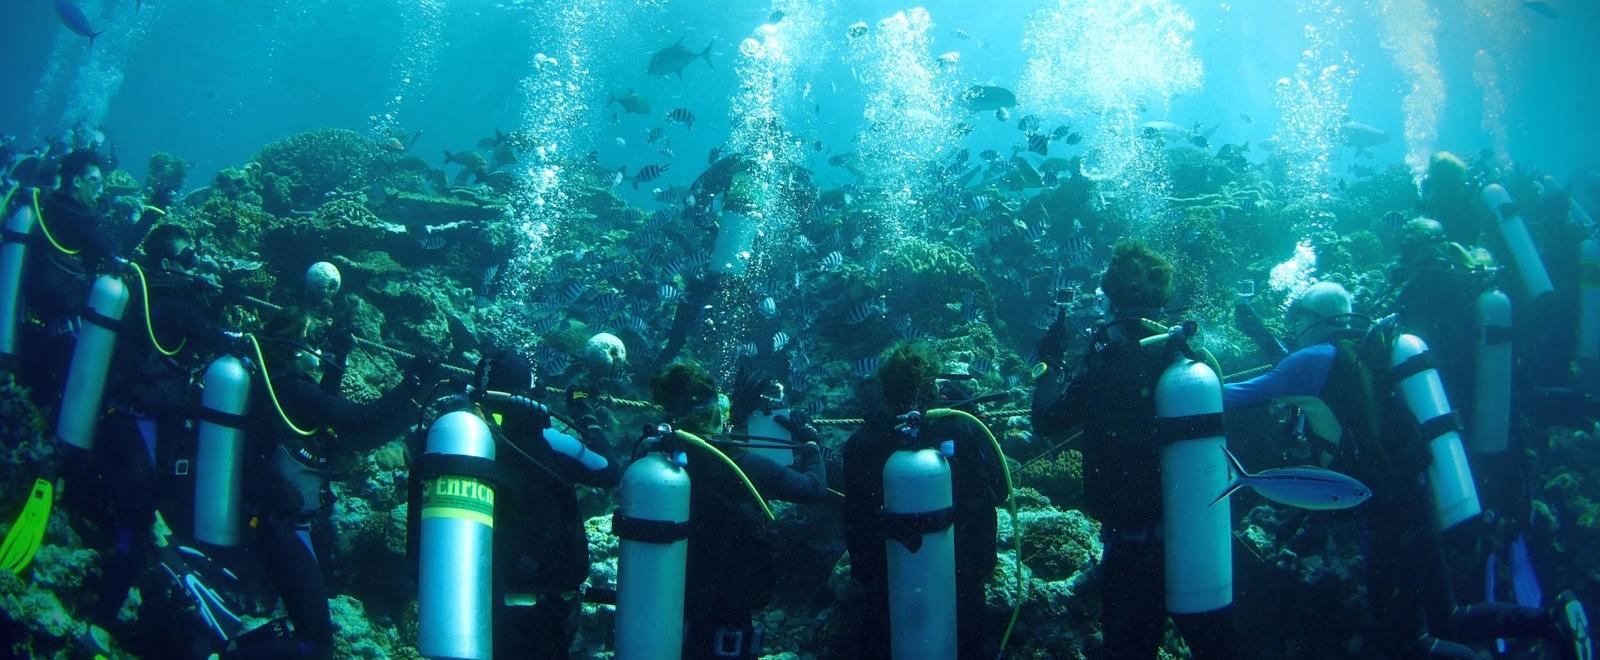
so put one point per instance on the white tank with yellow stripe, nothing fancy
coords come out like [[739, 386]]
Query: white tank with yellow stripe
[[1491, 409], [456, 552], [1455, 498], [17, 232], [1194, 469], [91, 359]]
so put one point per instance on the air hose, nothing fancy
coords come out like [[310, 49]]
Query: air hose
[[39, 215], [272, 393], [149, 327], [696, 441], [1011, 508]]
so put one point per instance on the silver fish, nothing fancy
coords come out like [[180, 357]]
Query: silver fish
[[1305, 487]]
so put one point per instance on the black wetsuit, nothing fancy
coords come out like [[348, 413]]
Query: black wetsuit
[[1112, 396], [540, 547], [134, 466], [731, 572], [977, 486], [285, 484], [1409, 583]]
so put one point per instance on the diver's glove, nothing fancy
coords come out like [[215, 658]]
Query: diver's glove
[[807, 455], [748, 386], [798, 424], [580, 404]]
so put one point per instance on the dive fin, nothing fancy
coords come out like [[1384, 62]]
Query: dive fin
[[1524, 581], [17, 551]]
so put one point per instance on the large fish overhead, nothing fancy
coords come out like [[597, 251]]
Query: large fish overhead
[[986, 98], [674, 58], [73, 18], [1305, 487]]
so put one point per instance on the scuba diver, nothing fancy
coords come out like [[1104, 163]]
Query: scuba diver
[[293, 433], [1336, 375], [906, 382], [730, 572], [1110, 394], [541, 553], [140, 462]]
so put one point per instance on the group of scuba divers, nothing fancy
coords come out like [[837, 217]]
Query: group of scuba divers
[[184, 447]]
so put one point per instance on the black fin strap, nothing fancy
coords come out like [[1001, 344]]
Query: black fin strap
[[220, 418], [908, 528], [1440, 425], [660, 532], [92, 316], [1191, 427], [1494, 335], [1412, 366]]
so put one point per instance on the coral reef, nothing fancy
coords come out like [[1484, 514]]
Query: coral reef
[[314, 164]]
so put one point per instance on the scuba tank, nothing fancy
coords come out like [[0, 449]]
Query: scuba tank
[[91, 359], [1455, 498], [1530, 270], [917, 512], [1588, 349], [219, 458], [1194, 469], [652, 525], [764, 423], [1491, 410], [456, 548], [13, 260]]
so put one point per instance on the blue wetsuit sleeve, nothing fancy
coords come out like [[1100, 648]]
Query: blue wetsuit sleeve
[[1302, 373]]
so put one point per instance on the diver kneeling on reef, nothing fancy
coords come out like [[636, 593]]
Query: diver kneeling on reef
[[730, 570], [1341, 377], [906, 383], [1111, 394], [293, 429], [540, 557]]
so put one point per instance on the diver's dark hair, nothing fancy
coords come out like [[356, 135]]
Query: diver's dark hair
[[77, 163], [166, 241], [907, 376], [1137, 277], [504, 370], [682, 387]]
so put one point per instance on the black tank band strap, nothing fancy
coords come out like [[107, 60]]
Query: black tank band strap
[[644, 530], [1494, 335], [1440, 425], [429, 465], [1412, 366], [9, 235], [220, 418], [1191, 427], [91, 316], [908, 528]]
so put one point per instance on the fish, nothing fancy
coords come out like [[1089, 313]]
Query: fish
[[856, 30], [433, 242], [1029, 124], [631, 102], [1045, 318], [72, 17], [948, 60], [675, 58], [989, 155], [769, 307], [1543, 8], [1393, 220], [616, 178], [833, 261], [1361, 137], [503, 156], [654, 135], [860, 313], [1305, 487], [777, 15], [749, 349], [865, 367], [1002, 114], [682, 116], [779, 340], [980, 366], [649, 173], [1073, 138], [609, 302], [491, 141], [668, 294], [963, 34], [1164, 130], [469, 160], [987, 98], [980, 203], [1038, 144]]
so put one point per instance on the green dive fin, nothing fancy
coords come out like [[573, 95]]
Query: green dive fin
[[28, 531]]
